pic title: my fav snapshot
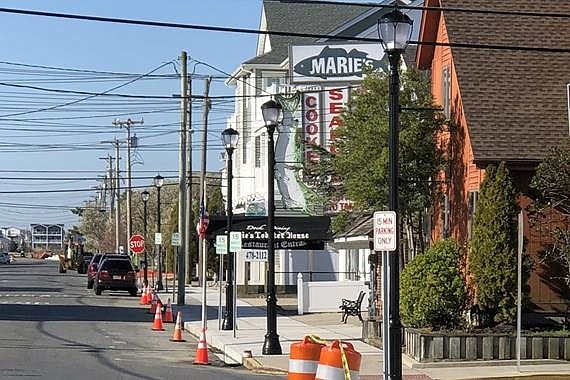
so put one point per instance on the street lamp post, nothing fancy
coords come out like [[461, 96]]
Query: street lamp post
[[145, 196], [230, 139], [395, 31], [271, 111], [158, 182]]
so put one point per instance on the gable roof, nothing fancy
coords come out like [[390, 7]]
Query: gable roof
[[514, 101], [305, 18]]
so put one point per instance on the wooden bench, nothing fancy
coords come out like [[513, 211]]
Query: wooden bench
[[352, 307]]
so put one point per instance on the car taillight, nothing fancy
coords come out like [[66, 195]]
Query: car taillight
[[130, 275], [104, 274]]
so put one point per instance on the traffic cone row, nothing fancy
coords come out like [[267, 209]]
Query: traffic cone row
[[201, 356]]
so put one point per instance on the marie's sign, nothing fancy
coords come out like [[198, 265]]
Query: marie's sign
[[320, 63]]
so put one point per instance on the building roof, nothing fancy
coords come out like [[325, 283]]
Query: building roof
[[304, 18], [514, 101]]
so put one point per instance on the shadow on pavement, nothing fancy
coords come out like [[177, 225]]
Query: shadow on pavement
[[30, 289], [77, 313]]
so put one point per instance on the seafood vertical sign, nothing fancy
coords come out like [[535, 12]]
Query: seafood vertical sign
[[334, 63]]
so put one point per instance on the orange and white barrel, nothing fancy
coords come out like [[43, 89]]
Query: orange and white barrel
[[304, 358], [338, 361]]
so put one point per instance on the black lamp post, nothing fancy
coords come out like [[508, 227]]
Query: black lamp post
[[230, 139], [271, 111], [145, 196], [158, 182], [395, 31]]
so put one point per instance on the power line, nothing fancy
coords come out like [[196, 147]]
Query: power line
[[306, 35]]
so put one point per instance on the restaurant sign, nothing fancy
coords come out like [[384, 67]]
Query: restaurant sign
[[320, 63], [308, 232]]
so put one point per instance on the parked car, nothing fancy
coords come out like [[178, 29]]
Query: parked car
[[5, 258], [115, 273], [94, 266]]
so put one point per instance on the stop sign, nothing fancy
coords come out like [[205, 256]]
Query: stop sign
[[136, 243]]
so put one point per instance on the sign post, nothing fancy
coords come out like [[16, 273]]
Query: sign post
[[221, 249], [385, 242]]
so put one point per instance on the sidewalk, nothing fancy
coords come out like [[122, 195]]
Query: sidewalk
[[251, 327]]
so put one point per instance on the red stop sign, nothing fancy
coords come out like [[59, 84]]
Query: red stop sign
[[136, 244]]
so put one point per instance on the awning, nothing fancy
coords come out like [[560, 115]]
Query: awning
[[358, 235], [291, 232]]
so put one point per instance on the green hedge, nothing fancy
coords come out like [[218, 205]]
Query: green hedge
[[433, 290]]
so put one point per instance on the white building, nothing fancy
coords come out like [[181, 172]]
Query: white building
[[313, 95]]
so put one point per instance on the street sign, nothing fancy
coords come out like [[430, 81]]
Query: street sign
[[256, 255], [235, 241], [157, 238], [136, 244], [385, 231], [175, 239], [221, 244]]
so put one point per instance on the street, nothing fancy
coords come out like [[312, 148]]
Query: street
[[53, 327]]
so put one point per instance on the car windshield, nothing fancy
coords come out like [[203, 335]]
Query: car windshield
[[97, 258], [121, 265]]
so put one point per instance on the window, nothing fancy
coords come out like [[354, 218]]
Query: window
[[446, 91], [257, 151]]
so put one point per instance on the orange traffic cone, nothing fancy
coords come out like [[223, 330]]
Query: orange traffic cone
[[143, 297], [202, 349], [157, 324], [177, 336], [148, 296], [168, 318], [153, 303]]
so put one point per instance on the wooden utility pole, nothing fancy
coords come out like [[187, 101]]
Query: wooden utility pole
[[201, 256], [181, 259]]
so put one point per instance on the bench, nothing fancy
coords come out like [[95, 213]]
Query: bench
[[352, 307]]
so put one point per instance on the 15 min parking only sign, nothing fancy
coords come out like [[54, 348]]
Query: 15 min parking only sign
[[385, 231]]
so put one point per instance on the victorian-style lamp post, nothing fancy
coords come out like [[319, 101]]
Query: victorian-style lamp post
[[158, 182], [271, 111], [230, 139], [395, 31]]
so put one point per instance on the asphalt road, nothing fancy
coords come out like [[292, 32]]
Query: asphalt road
[[53, 327]]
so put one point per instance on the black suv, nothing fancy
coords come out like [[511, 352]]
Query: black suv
[[115, 274], [94, 265]]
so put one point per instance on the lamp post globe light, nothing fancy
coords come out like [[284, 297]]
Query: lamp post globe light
[[158, 182], [395, 29], [271, 111], [145, 195], [230, 138]]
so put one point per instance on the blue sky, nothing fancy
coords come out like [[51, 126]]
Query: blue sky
[[67, 139]]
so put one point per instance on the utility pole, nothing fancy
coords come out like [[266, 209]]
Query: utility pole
[[109, 184], [127, 124], [117, 196], [182, 180], [207, 105], [189, 177]]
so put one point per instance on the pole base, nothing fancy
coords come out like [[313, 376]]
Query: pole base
[[227, 323], [271, 346]]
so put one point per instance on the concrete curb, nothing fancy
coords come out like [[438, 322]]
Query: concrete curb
[[255, 366], [411, 363]]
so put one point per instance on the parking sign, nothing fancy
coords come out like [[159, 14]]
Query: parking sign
[[385, 231]]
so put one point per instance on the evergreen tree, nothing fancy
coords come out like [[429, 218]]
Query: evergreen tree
[[493, 255]]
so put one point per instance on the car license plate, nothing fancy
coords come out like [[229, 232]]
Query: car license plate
[[117, 277]]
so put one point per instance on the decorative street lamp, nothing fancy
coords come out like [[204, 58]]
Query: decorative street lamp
[[271, 111], [395, 30], [145, 196], [230, 139], [158, 182]]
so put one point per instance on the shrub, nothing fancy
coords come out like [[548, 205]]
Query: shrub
[[433, 290]]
